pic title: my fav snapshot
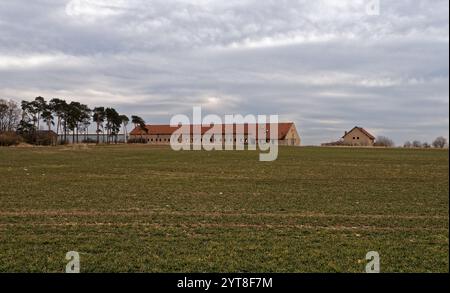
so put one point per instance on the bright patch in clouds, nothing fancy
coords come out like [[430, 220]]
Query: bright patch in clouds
[[95, 8], [13, 62], [213, 100], [285, 40]]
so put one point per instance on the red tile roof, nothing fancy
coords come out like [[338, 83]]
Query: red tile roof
[[283, 129]]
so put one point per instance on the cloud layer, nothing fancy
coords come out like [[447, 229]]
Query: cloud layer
[[327, 65]]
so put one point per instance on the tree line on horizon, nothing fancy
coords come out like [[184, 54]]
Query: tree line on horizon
[[67, 118], [439, 143], [22, 122]]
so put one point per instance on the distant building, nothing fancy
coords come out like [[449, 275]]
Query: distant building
[[91, 138], [358, 136], [45, 137], [161, 134]]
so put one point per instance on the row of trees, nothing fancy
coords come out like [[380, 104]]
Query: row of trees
[[439, 143], [67, 118]]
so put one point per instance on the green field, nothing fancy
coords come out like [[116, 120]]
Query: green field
[[147, 209]]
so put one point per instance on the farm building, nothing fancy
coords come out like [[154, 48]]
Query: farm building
[[92, 138], [358, 136], [45, 137], [161, 134]]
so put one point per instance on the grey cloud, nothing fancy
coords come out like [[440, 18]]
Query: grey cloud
[[324, 64]]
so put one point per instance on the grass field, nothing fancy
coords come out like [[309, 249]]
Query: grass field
[[147, 209]]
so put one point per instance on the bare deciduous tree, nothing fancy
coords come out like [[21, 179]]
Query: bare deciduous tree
[[426, 145], [407, 144], [416, 144], [384, 141], [440, 142], [9, 115]]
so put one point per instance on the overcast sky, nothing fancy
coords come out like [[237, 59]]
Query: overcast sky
[[326, 65]]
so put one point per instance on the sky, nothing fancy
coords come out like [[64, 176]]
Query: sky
[[325, 65]]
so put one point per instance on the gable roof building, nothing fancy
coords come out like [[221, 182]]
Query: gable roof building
[[358, 136]]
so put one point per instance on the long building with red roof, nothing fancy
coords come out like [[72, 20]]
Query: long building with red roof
[[246, 133]]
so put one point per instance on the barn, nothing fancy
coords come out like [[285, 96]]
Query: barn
[[161, 134]]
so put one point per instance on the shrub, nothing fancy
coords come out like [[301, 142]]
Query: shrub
[[9, 139], [440, 142], [417, 144]]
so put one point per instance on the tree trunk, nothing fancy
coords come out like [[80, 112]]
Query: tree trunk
[[57, 130], [49, 136], [65, 131], [98, 133]]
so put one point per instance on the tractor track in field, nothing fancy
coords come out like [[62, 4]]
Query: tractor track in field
[[134, 213], [220, 225]]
